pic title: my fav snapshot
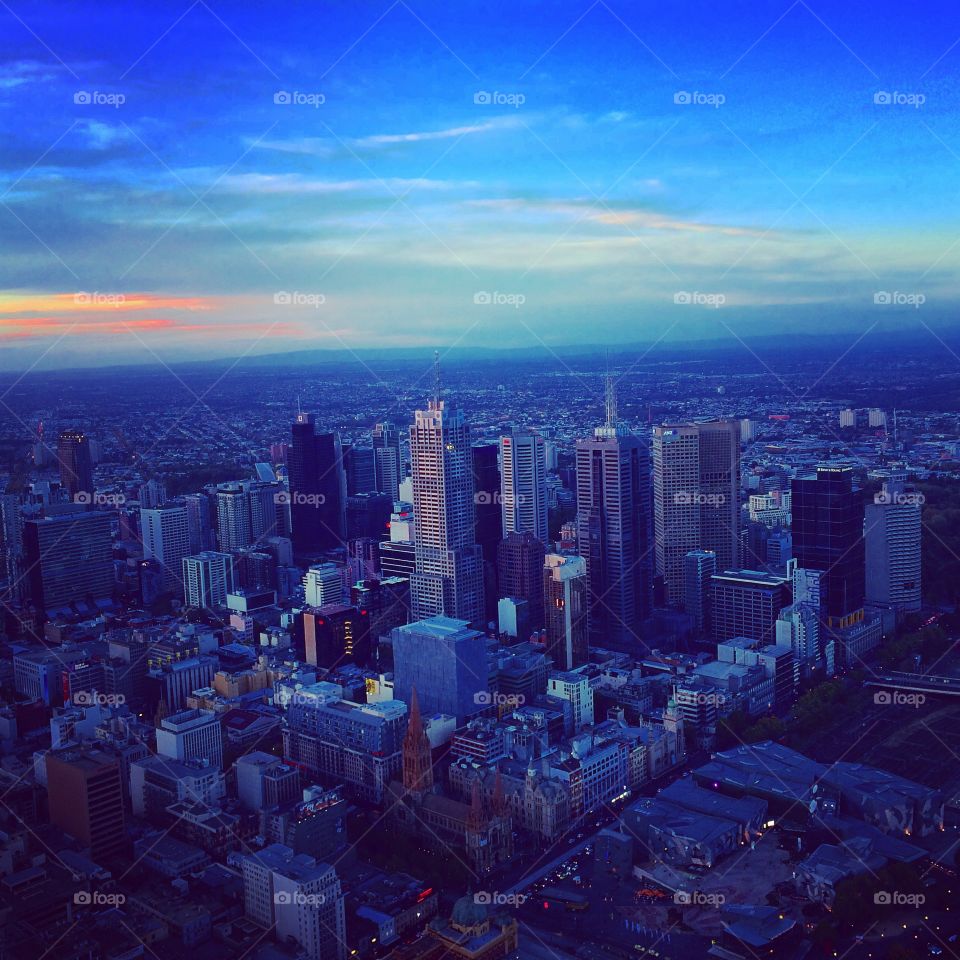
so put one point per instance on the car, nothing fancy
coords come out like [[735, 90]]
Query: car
[[934, 950]]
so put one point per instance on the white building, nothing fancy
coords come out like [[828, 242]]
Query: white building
[[577, 688], [892, 531], [191, 735], [523, 484], [166, 539], [323, 584], [207, 579], [298, 899]]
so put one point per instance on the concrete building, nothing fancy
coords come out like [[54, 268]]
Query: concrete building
[[892, 531], [207, 579], [746, 603], [191, 735], [565, 598], [166, 539], [523, 484]]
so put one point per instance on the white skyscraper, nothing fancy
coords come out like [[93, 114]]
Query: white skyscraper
[[166, 539], [892, 530], [523, 484], [207, 579], [322, 584], [449, 572]]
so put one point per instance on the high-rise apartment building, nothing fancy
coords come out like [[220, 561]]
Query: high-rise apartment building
[[234, 528], [696, 495], [166, 539], [523, 484], [207, 579], [322, 584], [520, 559], [387, 460], [892, 530], [699, 566], [449, 571]]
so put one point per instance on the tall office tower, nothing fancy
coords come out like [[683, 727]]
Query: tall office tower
[[565, 610], [449, 574], [387, 459], [520, 560], [207, 579], [447, 663], [748, 430], [323, 584], [747, 603], [334, 634], [266, 510], [318, 488], [203, 536], [363, 559], [166, 539], [828, 536], [398, 558], [68, 558], [298, 899], [368, 515], [613, 528], [233, 517], [359, 464], [76, 465], [696, 497], [85, 795], [699, 566], [892, 532], [488, 525], [523, 484]]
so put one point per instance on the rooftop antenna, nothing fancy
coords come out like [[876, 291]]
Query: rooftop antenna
[[611, 402], [436, 374], [299, 410]]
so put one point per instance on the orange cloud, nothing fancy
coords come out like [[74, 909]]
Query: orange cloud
[[86, 301]]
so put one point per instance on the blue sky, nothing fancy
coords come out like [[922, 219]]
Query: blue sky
[[470, 173]]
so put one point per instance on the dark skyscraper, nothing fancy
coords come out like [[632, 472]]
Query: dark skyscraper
[[520, 570], [317, 488], [368, 515], [614, 529], [486, 482], [828, 536], [76, 464]]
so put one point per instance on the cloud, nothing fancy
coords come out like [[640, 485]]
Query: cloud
[[284, 183]]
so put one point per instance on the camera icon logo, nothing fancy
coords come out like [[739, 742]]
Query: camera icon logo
[[81, 97], [882, 698], [681, 97], [882, 97], [82, 496], [481, 97], [282, 97]]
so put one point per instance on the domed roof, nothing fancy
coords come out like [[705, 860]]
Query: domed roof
[[467, 912]]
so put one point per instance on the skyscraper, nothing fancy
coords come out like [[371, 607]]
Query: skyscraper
[[488, 525], [68, 558], [520, 572], [317, 488], [892, 529], [565, 610], [449, 573], [698, 568], [166, 539], [613, 528], [76, 464], [234, 531], [696, 493], [828, 536], [523, 484], [207, 579], [387, 460]]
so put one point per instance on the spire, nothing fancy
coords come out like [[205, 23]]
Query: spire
[[611, 402], [417, 755], [499, 802], [477, 818], [436, 375]]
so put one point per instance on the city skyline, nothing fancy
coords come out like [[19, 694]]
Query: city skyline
[[433, 178]]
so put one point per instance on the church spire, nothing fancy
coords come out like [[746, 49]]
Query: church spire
[[417, 756]]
